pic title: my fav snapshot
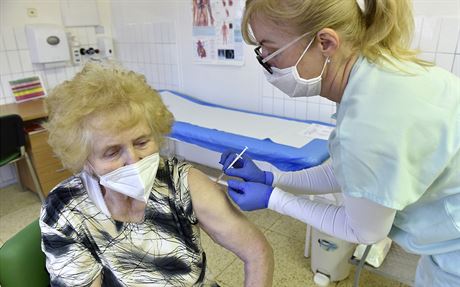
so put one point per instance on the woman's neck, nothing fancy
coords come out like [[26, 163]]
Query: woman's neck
[[124, 208], [336, 78]]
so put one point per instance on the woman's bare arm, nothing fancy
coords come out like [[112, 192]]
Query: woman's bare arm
[[226, 225]]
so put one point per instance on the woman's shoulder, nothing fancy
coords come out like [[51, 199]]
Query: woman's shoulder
[[66, 190], [173, 170], [173, 173], [176, 164], [68, 196]]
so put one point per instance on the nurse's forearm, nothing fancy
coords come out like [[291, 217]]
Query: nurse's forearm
[[315, 180], [358, 220]]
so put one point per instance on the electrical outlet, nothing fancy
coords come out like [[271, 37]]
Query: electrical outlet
[[32, 12], [76, 55]]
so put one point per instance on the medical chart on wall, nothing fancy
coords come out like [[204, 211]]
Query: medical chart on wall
[[216, 31]]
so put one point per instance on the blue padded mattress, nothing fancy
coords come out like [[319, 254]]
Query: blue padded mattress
[[283, 156]]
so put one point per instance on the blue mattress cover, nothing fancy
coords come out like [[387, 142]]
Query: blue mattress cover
[[283, 157]]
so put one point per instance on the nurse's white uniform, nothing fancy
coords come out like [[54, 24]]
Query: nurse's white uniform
[[396, 158], [397, 143]]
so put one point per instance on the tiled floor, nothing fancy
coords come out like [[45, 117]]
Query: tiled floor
[[17, 209], [286, 235]]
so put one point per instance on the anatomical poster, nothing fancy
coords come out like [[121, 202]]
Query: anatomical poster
[[216, 31]]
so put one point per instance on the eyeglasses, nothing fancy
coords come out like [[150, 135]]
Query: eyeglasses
[[264, 61]]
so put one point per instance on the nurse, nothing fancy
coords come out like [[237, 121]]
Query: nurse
[[395, 152]]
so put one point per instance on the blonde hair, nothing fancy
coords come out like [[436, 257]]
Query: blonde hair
[[119, 98], [383, 31]]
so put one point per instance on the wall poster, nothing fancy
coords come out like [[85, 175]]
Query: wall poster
[[216, 31]]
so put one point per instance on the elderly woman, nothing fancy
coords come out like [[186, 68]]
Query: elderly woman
[[129, 217]]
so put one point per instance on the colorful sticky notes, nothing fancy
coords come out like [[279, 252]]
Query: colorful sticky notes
[[27, 88]]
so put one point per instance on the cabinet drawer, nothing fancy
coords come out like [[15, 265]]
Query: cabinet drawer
[[39, 148], [48, 167], [51, 182]]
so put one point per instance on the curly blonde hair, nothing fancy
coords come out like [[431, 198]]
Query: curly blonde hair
[[122, 98], [383, 31]]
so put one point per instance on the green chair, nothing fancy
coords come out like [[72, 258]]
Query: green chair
[[22, 262]]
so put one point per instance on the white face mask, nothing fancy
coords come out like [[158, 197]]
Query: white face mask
[[289, 81], [134, 180]]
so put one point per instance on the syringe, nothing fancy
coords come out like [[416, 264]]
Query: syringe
[[233, 162]]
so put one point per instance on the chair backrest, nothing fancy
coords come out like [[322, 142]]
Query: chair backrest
[[22, 262], [12, 135]]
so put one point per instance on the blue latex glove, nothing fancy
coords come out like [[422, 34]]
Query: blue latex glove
[[244, 168], [249, 195]]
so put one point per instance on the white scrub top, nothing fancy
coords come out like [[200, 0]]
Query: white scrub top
[[397, 143]]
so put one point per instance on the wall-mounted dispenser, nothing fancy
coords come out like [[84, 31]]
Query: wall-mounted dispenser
[[47, 43]]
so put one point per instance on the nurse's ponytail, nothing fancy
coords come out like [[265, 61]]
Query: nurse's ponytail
[[388, 30], [380, 30]]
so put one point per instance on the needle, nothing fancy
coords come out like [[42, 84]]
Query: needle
[[233, 162]]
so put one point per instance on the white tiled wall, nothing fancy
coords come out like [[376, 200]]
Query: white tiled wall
[[15, 60], [439, 40], [148, 44], [150, 48]]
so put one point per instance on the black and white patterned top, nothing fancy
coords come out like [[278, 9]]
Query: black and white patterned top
[[164, 250]]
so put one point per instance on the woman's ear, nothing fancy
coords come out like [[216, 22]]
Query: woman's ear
[[329, 41]]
